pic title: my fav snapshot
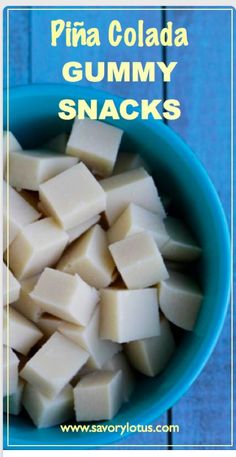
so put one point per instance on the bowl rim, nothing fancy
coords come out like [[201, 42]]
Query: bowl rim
[[164, 131]]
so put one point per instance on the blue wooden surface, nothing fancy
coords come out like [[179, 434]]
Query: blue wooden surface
[[201, 82]]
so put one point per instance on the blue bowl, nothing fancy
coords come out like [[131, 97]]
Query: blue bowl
[[33, 119]]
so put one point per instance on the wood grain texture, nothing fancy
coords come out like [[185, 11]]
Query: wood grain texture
[[19, 49], [50, 69], [202, 83]]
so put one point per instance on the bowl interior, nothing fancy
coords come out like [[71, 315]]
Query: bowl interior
[[33, 119]]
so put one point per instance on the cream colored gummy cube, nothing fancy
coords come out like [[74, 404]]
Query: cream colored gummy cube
[[73, 197], [180, 300], [57, 143], [127, 161], [136, 219], [181, 246], [15, 400], [17, 213], [88, 338], [23, 334], [78, 230], [46, 412], [14, 286], [28, 169], [37, 246], [25, 304], [96, 144], [119, 362], [65, 296], [90, 258], [128, 315], [54, 365], [32, 197], [98, 396], [48, 324], [10, 371], [9, 142], [135, 186], [139, 261], [151, 355]]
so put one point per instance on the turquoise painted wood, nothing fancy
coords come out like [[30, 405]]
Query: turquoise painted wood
[[203, 74], [50, 69], [20, 53], [202, 83]]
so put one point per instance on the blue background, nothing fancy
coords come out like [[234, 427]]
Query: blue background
[[201, 81]]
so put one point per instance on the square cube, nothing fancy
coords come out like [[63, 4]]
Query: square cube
[[120, 362], [135, 186], [23, 334], [139, 261], [15, 399], [73, 197], [136, 219], [98, 396], [181, 246], [54, 365], [48, 412], [49, 324], [10, 142], [25, 304], [88, 338], [90, 257], [37, 246], [180, 300], [96, 144], [151, 355], [28, 169], [128, 315], [10, 368], [13, 291], [65, 296], [17, 214]]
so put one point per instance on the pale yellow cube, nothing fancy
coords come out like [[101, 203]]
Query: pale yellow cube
[[128, 315], [49, 324], [17, 213], [78, 230], [47, 412], [28, 169], [96, 144], [127, 161], [89, 256], [23, 334], [136, 219], [10, 144], [65, 296], [25, 303], [180, 300], [37, 246], [100, 351], [151, 355], [57, 143], [10, 371], [73, 197], [119, 362], [181, 246], [139, 261], [135, 186], [11, 287], [54, 365], [98, 396], [15, 400]]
